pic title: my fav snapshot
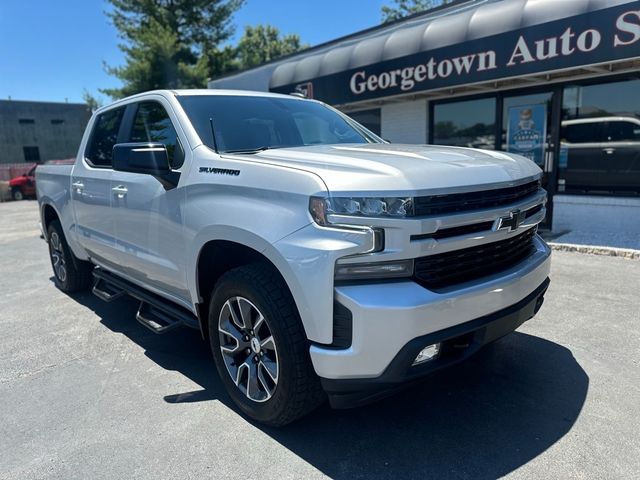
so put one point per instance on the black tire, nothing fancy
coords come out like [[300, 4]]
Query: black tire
[[16, 194], [70, 274], [298, 390]]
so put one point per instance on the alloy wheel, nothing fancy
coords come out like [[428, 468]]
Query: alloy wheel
[[248, 349], [57, 257]]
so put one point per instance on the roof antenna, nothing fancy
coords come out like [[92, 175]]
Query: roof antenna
[[213, 135]]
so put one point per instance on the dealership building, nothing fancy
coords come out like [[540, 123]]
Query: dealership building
[[556, 81]]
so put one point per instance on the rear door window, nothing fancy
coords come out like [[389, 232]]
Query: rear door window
[[622, 131], [152, 124], [99, 153]]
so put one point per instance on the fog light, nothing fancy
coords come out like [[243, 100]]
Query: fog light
[[430, 352]]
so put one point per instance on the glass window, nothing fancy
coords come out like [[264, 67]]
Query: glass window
[[104, 137], [622, 131], [470, 123], [152, 124], [602, 100], [246, 123], [31, 154], [313, 130], [370, 119], [600, 148], [576, 131]]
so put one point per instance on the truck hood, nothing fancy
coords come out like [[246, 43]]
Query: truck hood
[[407, 169]]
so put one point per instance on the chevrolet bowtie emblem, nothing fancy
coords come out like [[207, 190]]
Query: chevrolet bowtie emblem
[[512, 222]]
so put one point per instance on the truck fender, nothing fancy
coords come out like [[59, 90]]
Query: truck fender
[[253, 241]]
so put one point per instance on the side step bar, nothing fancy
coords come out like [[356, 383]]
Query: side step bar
[[105, 291], [155, 319], [156, 313]]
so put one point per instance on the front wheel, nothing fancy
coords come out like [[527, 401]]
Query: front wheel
[[70, 273], [260, 348]]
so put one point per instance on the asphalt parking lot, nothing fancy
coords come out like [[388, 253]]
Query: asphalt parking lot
[[87, 392]]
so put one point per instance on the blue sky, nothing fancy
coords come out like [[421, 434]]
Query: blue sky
[[52, 50]]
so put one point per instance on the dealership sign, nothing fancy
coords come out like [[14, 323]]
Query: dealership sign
[[601, 36]]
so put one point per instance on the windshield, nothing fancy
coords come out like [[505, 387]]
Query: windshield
[[246, 123]]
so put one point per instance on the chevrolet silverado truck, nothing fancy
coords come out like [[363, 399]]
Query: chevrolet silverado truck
[[315, 258]]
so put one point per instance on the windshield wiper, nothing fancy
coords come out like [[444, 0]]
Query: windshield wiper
[[254, 150], [247, 150]]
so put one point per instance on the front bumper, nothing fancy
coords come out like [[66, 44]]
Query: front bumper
[[386, 317], [457, 343]]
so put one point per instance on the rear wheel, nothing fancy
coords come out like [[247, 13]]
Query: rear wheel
[[16, 194], [260, 348], [70, 273]]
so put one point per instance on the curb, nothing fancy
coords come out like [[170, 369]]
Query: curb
[[627, 253]]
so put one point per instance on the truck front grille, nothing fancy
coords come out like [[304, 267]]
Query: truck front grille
[[463, 202], [451, 268]]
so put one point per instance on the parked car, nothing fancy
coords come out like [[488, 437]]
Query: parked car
[[23, 186], [603, 154], [316, 258]]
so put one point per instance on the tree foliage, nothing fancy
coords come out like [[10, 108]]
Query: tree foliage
[[263, 43], [404, 8], [180, 43], [170, 43], [93, 102]]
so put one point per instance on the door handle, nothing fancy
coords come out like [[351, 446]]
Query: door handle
[[120, 191], [609, 150], [77, 186]]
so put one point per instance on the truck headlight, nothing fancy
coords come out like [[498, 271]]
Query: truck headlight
[[373, 270], [376, 207]]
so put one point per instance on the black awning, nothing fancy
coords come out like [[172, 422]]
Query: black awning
[[466, 43]]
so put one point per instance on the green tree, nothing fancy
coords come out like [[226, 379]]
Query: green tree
[[93, 102], [224, 60], [263, 43], [404, 8], [170, 43]]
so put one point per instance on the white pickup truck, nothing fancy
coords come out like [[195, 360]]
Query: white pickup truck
[[316, 258]]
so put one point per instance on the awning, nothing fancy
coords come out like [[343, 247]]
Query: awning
[[444, 48]]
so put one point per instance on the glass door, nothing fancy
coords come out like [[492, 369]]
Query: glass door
[[530, 128]]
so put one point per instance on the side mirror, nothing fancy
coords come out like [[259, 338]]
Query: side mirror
[[149, 158]]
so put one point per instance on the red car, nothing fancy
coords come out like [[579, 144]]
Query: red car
[[24, 185]]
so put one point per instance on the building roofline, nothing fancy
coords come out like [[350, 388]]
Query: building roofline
[[381, 26], [12, 100]]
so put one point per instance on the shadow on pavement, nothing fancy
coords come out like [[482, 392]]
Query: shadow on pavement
[[481, 419]]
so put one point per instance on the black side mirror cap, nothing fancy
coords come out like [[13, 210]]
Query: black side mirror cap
[[147, 158]]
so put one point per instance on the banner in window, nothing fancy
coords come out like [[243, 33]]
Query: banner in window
[[526, 131]]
